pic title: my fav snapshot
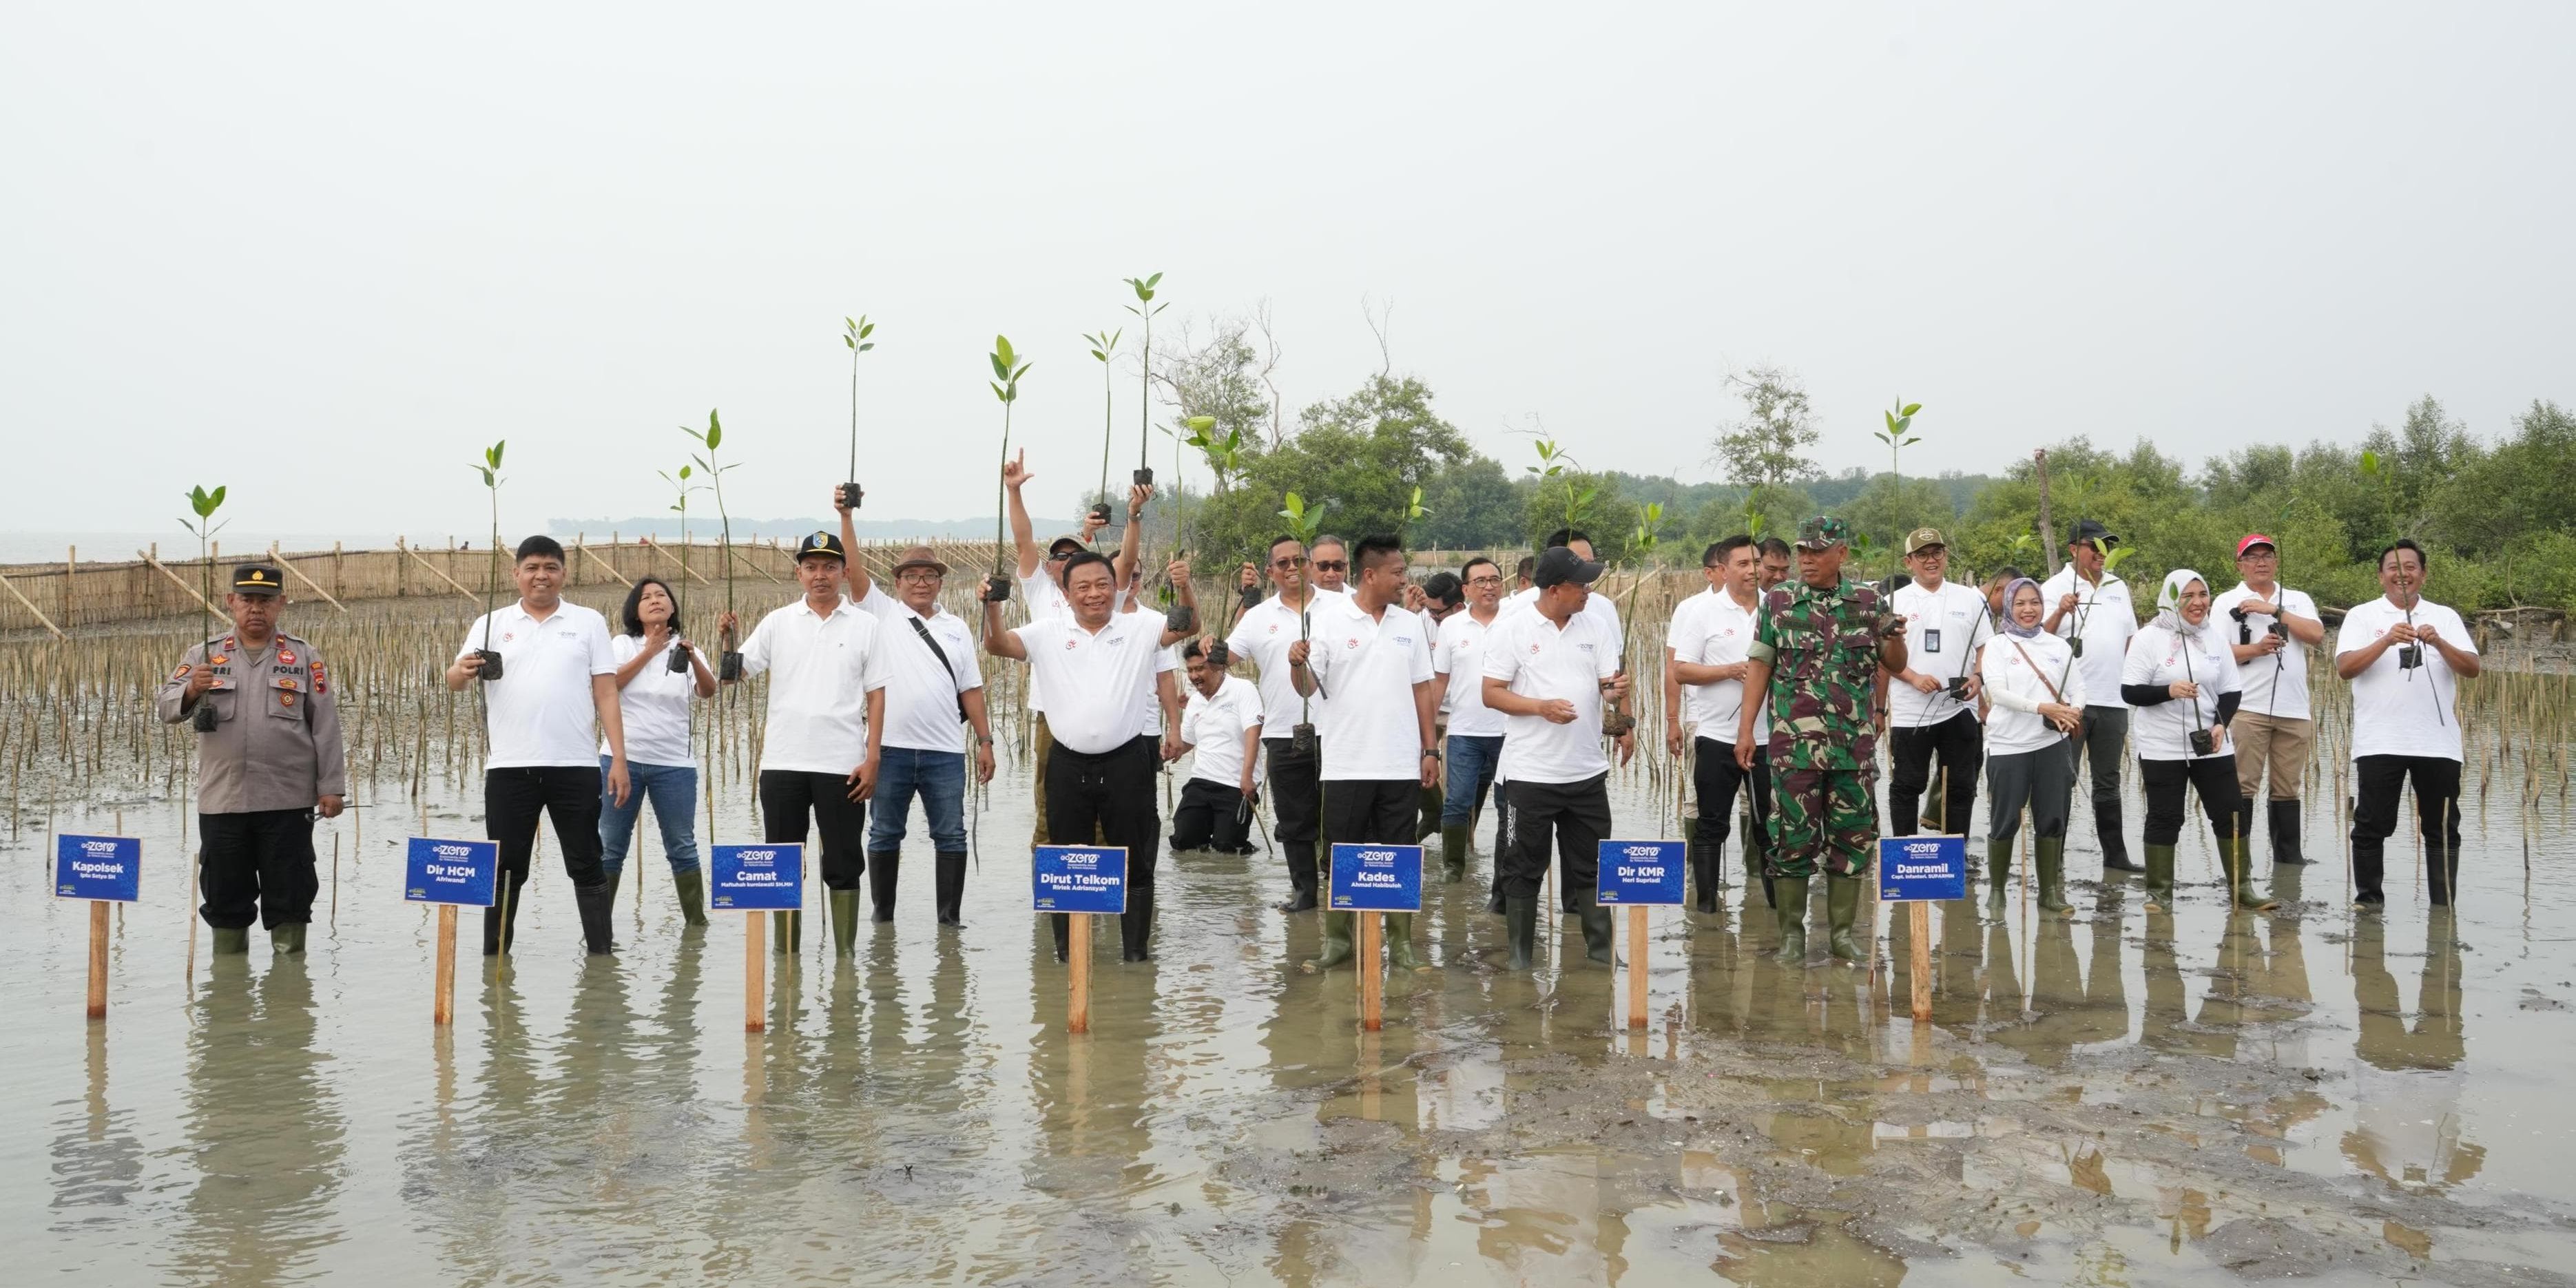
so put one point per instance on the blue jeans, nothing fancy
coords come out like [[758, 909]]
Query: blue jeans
[[674, 789], [939, 778], [1471, 760]]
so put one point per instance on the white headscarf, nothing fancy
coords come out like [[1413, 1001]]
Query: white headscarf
[[2169, 603]]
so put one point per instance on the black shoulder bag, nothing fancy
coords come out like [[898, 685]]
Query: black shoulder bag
[[942, 655]]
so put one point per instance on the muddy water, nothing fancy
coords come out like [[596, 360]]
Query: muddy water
[[2119, 1098]]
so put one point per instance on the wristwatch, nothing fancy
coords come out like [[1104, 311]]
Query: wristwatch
[[1432, 752]]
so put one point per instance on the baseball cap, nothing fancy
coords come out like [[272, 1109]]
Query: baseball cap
[[259, 579], [1560, 565], [820, 543], [1921, 537], [2090, 532], [1064, 545], [1823, 532], [2253, 539]]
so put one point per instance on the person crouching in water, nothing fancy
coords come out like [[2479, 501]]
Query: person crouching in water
[[1222, 722]]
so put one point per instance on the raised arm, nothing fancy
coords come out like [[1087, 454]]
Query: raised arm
[[999, 642], [1013, 475], [853, 569], [1132, 541]]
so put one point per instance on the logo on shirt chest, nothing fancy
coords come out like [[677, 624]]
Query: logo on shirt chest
[[507, 636], [1351, 643]]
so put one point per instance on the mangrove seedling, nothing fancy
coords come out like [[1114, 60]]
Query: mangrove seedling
[[729, 665], [1104, 346], [490, 469], [1007, 370], [1304, 523], [681, 487], [203, 504], [1553, 463], [1145, 308], [855, 333], [1897, 435]]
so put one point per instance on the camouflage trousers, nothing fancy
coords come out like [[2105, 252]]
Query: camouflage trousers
[[1822, 817]]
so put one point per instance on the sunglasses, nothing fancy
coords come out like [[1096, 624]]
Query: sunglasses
[[1331, 565], [1296, 562]]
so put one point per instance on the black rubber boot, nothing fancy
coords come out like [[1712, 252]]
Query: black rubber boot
[[691, 887], [1061, 927], [786, 932], [612, 885], [2284, 822], [882, 868], [592, 901], [1301, 876], [1430, 821], [1520, 927], [1703, 875], [1596, 922], [2115, 847], [1136, 926], [1791, 910], [950, 878], [501, 919], [1453, 854]]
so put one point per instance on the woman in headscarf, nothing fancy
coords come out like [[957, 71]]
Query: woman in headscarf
[[2181, 677], [2037, 698]]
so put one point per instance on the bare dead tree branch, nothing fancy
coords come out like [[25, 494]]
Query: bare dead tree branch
[[1270, 363], [1380, 322]]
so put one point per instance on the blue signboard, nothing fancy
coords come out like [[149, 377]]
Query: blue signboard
[[459, 872], [1377, 878], [1080, 878], [98, 867], [1914, 868], [1641, 873], [756, 878]]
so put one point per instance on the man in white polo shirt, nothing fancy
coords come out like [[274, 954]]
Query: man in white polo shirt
[[1221, 725], [1045, 595], [2405, 656], [2090, 606], [1101, 671], [1372, 661], [2274, 627], [557, 676], [1708, 642], [1264, 634], [1473, 746], [934, 697], [1932, 706], [1549, 671], [826, 726]]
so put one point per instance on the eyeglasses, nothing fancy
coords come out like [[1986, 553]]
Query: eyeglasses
[[1297, 561], [919, 576], [1331, 565], [1488, 579]]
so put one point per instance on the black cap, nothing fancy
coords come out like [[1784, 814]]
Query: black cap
[[1560, 565], [2091, 532], [820, 543], [259, 579]]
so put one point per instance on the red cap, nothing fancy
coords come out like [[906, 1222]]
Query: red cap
[[2253, 539]]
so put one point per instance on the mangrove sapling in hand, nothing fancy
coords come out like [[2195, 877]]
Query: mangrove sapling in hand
[[1104, 346], [1145, 308], [1304, 523], [729, 667], [490, 469], [855, 334], [1007, 370], [204, 504], [681, 487]]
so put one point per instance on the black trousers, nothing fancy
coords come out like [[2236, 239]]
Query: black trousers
[[1113, 792], [512, 799], [2378, 781], [788, 795], [1577, 816], [1716, 778], [257, 865], [1212, 816], [1296, 800], [1371, 811], [2214, 779], [1960, 744]]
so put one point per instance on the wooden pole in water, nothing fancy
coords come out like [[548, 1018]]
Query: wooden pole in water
[[1372, 976], [1919, 921], [1637, 966], [1077, 975], [98, 959], [442, 1010], [754, 961]]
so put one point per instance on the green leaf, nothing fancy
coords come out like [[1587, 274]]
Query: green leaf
[[215, 499], [715, 430], [997, 391], [1155, 280], [869, 345], [999, 371], [853, 344], [684, 472], [866, 328], [1910, 409]]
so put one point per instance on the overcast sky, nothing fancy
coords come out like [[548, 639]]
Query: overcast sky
[[325, 256]]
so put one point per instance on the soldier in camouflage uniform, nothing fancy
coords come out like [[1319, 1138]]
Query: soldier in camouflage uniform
[[1821, 648]]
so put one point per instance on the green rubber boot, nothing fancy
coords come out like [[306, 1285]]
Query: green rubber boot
[[1597, 932], [2050, 855], [1791, 909], [1453, 854], [845, 921], [1337, 942], [784, 928], [1520, 925], [2160, 866], [1400, 952], [2240, 864], [1998, 876], [287, 940], [1842, 907], [692, 889], [232, 942]]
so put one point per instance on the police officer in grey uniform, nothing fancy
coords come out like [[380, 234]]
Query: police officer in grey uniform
[[272, 762]]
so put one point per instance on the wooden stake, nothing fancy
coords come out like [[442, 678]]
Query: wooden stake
[[755, 959], [298, 574], [1919, 921], [1372, 975], [442, 1009], [98, 959], [30, 604], [1077, 976], [1637, 966]]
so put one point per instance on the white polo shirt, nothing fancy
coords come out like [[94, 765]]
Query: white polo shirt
[[1045, 599], [821, 672], [1711, 629], [1597, 606], [654, 706], [1214, 727], [1369, 665], [2275, 686], [1942, 631], [2106, 618], [541, 712], [1102, 681], [921, 694], [2160, 657], [1460, 655], [1535, 659], [2400, 712], [1263, 634]]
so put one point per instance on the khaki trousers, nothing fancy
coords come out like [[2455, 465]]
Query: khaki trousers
[[2277, 742]]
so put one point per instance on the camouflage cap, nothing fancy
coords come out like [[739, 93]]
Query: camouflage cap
[[1823, 532]]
